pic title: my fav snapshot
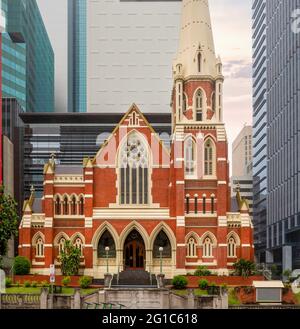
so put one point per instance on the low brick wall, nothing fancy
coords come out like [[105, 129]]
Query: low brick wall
[[231, 281], [40, 278]]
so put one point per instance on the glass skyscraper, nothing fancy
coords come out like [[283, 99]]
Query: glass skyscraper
[[259, 128], [283, 117], [34, 58], [13, 65], [77, 28], [277, 128]]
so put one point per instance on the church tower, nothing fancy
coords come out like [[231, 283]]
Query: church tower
[[200, 151], [198, 79]]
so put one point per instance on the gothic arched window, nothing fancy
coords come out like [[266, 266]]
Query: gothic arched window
[[231, 247], [106, 240], [134, 172], [209, 155], [61, 245], [199, 105], [208, 247], [66, 206], [190, 157], [81, 206], [57, 206], [39, 248], [79, 245], [191, 247], [73, 206], [162, 240]]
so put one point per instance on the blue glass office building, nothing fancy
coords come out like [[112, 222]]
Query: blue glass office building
[[13, 65], [259, 128], [27, 32], [77, 56]]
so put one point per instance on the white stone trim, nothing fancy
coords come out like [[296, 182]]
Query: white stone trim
[[25, 245], [48, 182], [180, 182], [222, 159], [246, 245], [89, 181], [88, 196], [49, 196], [222, 245], [180, 221], [220, 182], [48, 221], [132, 213], [181, 245], [88, 223]]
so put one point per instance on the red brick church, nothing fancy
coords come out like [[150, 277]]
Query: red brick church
[[136, 195]]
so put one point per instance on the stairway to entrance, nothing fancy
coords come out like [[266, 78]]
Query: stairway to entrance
[[134, 278]]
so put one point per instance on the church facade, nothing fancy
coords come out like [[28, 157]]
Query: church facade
[[138, 200]]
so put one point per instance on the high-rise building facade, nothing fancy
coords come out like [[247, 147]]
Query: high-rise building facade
[[77, 55], [283, 121], [242, 153], [34, 57], [13, 63], [242, 179], [259, 128], [121, 53]]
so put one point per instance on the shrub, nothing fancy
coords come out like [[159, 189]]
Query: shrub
[[34, 284], [70, 259], [26, 284], [45, 284], [213, 289], [244, 268], [21, 265], [66, 281], [179, 282], [85, 282], [8, 282], [202, 271], [203, 284]]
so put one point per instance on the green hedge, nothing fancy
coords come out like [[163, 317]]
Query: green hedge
[[21, 266]]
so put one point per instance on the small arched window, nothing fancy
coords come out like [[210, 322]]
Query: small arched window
[[66, 206], [199, 105], [73, 206], [213, 102], [57, 206], [79, 245], [199, 60], [184, 104], [196, 204], [162, 240], [61, 245], [190, 157], [209, 158], [39, 248], [208, 247], [231, 247], [81, 206], [192, 248], [187, 204], [212, 204], [204, 204]]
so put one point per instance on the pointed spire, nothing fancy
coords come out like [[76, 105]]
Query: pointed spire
[[196, 48]]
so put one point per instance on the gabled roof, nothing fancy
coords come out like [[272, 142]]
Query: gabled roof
[[133, 108]]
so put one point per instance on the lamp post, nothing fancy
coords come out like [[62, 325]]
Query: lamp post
[[107, 251], [161, 249]]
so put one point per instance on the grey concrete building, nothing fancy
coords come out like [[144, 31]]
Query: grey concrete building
[[259, 140], [277, 92]]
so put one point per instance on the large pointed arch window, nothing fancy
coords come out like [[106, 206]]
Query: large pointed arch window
[[199, 105], [163, 241], [190, 157], [209, 158], [134, 172], [106, 240]]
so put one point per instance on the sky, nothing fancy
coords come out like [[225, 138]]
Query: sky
[[231, 20]]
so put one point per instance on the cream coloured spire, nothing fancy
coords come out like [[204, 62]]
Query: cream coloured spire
[[196, 48]]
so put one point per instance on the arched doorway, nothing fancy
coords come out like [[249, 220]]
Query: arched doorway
[[134, 251]]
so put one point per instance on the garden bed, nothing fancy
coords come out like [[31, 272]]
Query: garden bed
[[230, 281]]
